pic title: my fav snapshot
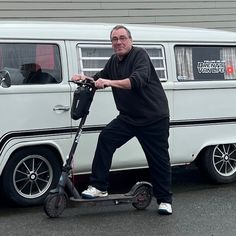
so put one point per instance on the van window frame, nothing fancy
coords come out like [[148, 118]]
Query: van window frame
[[81, 58]]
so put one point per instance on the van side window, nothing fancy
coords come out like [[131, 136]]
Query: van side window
[[158, 59], [92, 58], [30, 63], [205, 63]]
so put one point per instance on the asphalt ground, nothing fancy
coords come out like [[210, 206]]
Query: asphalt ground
[[199, 208]]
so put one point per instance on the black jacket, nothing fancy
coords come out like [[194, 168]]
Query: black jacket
[[146, 102]]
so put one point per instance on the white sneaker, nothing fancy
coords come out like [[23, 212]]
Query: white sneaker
[[92, 192], [165, 209]]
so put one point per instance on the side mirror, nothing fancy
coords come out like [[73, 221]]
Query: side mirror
[[5, 80]]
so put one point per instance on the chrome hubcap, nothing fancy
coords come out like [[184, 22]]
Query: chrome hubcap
[[32, 176], [224, 159]]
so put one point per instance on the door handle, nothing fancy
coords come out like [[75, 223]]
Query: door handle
[[61, 108]]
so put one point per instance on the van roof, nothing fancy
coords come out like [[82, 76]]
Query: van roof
[[101, 32]]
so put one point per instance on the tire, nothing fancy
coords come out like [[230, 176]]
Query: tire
[[29, 175], [219, 163], [143, 197], [55, 204]]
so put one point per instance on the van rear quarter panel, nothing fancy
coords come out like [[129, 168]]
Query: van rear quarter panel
[[203, 115]]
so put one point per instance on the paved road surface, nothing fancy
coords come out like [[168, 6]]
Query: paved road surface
[[200, 209]]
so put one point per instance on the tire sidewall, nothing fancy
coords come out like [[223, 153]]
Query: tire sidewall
[[210, 170]]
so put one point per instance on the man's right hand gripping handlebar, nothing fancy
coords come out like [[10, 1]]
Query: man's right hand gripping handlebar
[[99, 84], [79, 77], [82, 79]]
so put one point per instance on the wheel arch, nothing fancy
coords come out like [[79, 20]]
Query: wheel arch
[[42, 146], [204, 147], [22, 146]]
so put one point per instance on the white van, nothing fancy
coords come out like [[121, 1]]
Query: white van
[[197, 68]]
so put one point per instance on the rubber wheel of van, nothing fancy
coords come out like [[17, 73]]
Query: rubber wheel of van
[[143, 197], [219, 163], [29, 175]]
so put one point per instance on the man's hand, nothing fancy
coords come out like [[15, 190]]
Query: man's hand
[[102, 83], [77, 77]]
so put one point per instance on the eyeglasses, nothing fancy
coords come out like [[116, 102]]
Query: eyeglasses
[[121, 38]]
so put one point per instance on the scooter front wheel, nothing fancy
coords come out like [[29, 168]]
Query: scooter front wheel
[[55, 204], [143, 197]]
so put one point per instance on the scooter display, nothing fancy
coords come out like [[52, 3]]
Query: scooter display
[[139, 196]]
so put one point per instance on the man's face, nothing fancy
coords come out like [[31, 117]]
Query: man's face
[[121, 42]]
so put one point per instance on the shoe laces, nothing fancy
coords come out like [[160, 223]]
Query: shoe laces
[[90, 187]]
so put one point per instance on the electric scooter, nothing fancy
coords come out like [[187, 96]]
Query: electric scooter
[[139, 196]]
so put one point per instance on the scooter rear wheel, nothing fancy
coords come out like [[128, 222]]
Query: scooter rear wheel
[[55, 204], [143, 197]]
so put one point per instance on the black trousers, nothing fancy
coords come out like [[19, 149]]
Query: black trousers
[[154, 141]]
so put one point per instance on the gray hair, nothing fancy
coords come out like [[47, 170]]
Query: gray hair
[[117, 27]]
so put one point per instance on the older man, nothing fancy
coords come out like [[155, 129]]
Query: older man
[[143, 113]]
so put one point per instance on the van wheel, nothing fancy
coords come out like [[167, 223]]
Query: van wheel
[[219, 163], [29, 175]]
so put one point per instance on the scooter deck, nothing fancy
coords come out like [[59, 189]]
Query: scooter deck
[[114, 198]]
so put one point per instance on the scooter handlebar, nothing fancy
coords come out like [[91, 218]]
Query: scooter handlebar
[[85, 82]]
